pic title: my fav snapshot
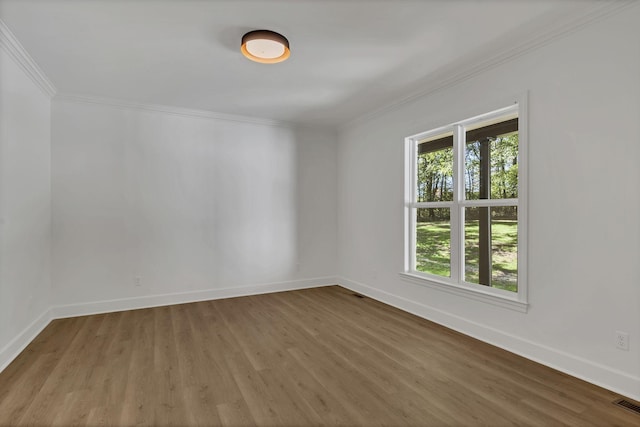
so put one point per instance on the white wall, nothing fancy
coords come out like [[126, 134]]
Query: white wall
[[584, 203], [187, 204], [25, 205]]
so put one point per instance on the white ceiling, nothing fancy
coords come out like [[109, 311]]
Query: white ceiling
[[348, 57]]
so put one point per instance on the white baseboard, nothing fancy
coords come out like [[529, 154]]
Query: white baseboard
[[109, 306], [23, 339], [600, 375]]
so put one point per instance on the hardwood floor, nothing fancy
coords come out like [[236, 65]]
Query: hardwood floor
[[310, 357]]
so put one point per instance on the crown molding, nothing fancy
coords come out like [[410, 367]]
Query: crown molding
[[461, 72], [166, 109], [12, 46]]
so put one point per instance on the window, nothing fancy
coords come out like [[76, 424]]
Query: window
[[464, 203]]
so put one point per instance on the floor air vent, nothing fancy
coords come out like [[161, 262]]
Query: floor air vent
[[358, 296], [629, 406]]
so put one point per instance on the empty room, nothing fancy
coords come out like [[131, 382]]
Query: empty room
[[307, 212]]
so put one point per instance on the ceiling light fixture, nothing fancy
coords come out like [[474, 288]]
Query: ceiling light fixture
[[265, 46]]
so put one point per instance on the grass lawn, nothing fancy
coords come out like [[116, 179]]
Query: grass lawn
[[433, 251]]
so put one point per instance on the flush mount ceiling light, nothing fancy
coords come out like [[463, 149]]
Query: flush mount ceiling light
[[265, 46]]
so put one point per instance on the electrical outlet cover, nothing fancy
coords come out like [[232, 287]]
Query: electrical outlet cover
[[622, 340]]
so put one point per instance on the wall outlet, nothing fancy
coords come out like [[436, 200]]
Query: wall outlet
[[622, 340], [137, 281]]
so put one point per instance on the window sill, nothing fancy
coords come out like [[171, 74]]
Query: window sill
[[467, 292]]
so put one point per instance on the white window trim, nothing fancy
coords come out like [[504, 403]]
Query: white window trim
[[512, 300]]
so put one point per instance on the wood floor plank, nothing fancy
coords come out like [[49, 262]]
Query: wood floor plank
[[140, 401], [311, 357], [235, 414]]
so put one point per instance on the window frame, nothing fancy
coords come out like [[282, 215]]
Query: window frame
[[455, 284]]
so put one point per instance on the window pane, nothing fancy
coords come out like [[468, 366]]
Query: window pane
[[435, 169], [433, 241], [491, 161], [491, 246]]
